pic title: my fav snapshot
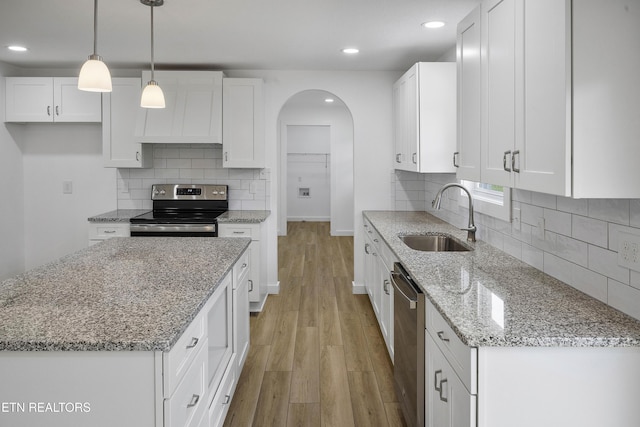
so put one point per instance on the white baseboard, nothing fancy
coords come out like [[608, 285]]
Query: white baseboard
[[273, 288], [358, 288], [308, 218], [342, 233]]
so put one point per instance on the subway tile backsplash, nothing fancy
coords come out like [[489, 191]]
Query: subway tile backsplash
[[580, 243], [193, 164]]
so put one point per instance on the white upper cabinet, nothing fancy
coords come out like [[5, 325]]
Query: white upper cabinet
[[559, 97], [243, 123], [119, 111], [193, 112], [50, 99], [467, 156], [424, 101]]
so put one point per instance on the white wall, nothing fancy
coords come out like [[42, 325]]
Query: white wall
[[368, 96], [339, 118], [12, 200], [308, 172], [55, 224], [580, 241]]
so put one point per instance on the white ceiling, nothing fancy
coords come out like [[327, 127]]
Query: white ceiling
[[231, 34]]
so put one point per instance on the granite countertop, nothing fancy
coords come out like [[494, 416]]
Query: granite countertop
[[229, 217], [247, 217], [125, 293], [119, 215], [493, 299]]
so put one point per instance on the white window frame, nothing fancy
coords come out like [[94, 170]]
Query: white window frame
[[492, 203]]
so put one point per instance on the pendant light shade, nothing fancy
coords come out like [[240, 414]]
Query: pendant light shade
[[152, 96], [94, 74]]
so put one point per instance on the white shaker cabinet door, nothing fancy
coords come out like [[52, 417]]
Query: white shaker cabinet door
[[242, 123], [498, 91], [543, 96], [467, 156]]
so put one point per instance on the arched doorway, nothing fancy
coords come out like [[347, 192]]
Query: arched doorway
[[316, 161]]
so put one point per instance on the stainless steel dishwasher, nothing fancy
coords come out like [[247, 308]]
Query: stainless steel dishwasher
[[409, 329]]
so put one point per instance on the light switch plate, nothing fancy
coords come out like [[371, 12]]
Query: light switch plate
[[67, 187], [539, 230], [516, 219]]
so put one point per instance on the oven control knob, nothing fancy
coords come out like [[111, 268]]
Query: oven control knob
[[215, 192], [155, 192], [162, 192], [222, 192]]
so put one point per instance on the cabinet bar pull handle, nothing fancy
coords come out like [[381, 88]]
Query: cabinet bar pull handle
[[504, 161], [366, 249], [398, 158], [414, 158], [250, 285], [435, 380], [227, 398], [441, 336], [194, 342], [226, 156], [513, 161], [194, 401], [137, 156], [244, 265], [48, 110], [238, 232], [57, 110], [109, 231], [444, 399], [455, 158], [385, 286]]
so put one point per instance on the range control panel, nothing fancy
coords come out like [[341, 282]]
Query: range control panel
[[189, 192]]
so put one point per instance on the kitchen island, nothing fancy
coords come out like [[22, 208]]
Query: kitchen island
[[521, 347], [96, 338]]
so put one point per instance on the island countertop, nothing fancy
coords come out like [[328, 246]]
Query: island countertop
[[125, 293], [490, 298]]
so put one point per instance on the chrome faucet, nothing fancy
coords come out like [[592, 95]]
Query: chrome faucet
[[471, 228]]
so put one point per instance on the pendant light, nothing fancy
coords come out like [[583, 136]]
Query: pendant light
[[94, 74], [152, 96]]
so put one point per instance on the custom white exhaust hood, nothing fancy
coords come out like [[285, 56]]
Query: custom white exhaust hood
[[193, 112]]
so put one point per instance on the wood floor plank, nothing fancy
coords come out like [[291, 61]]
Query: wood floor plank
[[381, 363], [244, 402], [305, 380], [309, 314], [335, 409], [263, 326], [273, 404], [366, 311], [304, 415], [368, 409], [329, 320], [344, 294], [290, 291], [356, 351], [394, 414], [283, 344]]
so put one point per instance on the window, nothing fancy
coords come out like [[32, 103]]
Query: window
[[488, 199]]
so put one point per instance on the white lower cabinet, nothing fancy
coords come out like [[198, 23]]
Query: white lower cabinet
[[448, 402], [99, 231], [186, 406], [257, 258], [241, 273], [378, 264]]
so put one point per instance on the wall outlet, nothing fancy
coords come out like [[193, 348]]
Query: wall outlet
[[629, 251], [304, 192]]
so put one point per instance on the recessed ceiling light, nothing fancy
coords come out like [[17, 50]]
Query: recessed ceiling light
[[433, 24], [17, 48], [350, 50], [329, 100]]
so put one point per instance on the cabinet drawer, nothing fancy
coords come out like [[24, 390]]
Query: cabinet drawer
[[100, 231], [178, 360], [220, 405], [239, 231], [448, 402], [188, 403], [461, 357], [241, 269]]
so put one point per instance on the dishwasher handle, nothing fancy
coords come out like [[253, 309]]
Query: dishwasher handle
[[412, 302]]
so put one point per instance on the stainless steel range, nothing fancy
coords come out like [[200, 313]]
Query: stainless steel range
[[182, 210]]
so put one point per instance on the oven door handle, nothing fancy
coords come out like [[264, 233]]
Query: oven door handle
[[169, 228]]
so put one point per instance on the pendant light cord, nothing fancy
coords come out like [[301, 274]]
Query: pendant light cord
[[152, 68], [95, 27]]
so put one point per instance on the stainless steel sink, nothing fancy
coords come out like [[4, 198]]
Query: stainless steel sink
[[434, 243]]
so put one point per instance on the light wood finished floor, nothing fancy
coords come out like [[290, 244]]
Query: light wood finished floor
[[317, 357]]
